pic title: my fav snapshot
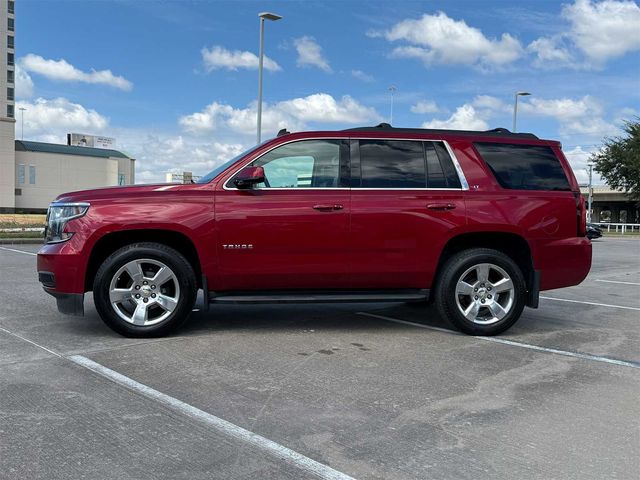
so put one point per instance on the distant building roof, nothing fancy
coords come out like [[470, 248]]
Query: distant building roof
[[41, 147]]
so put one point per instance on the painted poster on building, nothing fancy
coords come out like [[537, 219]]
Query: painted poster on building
[[95, 141]]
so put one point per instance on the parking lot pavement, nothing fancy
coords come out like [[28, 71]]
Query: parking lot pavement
[[369, 391]]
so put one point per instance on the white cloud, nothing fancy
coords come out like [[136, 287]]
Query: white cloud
[[425, 106], [578, 159], [61, 70], [220, 58], [464, 118], [604, 30], [551, 52], [54, 118], [581, 116], [490, 103], [158, 153], [439, 39], [24, 83], [310, 54], [360, 75], [294, 114], [596, 32]]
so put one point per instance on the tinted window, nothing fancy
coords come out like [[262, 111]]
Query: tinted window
[[450, 173], [435, 174], [524, 167], [305, 164], [392, 164]]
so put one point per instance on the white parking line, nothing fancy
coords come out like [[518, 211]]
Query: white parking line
[[29, 341], [18, 251], [590, 303], [617, 281], [584, 356], [283, 453]]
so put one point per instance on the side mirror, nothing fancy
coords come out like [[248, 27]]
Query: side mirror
[[248, 177]]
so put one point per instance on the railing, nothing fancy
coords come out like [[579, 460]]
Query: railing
[[621, 228]]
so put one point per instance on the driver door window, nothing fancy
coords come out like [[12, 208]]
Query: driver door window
[[305, 164]]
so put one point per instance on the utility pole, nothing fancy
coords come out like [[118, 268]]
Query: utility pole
[[590, 201], [393, 89], [263, 16], [22, 110], [515, 107]]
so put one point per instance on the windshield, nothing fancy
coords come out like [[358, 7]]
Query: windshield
[[221, 168]]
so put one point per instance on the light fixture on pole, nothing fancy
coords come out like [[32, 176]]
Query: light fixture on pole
[[515, 107], [393, 89], [22, 110], [263, 16], [590, 201]]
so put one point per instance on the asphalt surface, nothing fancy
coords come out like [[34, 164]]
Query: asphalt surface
[[329, 386]]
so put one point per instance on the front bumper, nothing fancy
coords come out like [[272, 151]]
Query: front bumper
[[61, 271], [69, 303]]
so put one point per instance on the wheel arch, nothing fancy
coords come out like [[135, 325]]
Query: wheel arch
[[511, 244], [113, 241]]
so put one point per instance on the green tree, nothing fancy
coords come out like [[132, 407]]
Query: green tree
[[619, 160]]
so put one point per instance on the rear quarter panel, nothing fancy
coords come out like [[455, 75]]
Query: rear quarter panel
[[545, 219]]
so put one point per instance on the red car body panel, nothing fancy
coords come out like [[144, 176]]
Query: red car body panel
[[377, 239]]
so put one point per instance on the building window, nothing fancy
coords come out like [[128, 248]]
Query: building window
[[10, 41], [11, 7], [32, 174], [10, 111], [10, 93], [11, 24], [10, 58], [11, 76], [21, 174]]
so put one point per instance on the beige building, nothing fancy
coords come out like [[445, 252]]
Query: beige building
[[32, 174], [45, 170], [7, 103]]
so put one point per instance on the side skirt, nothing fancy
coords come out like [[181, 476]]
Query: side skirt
[[320, 296]]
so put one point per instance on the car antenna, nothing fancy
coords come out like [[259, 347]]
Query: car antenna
[[282, 132]]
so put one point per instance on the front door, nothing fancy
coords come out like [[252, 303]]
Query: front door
[[291, 232]]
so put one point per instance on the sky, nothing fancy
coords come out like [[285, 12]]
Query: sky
[[175, 82]]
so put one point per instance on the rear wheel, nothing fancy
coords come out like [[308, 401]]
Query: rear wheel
[[144, 290], [481, 291]]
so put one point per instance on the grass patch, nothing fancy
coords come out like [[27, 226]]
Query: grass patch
[[17, 220], [12, 235]]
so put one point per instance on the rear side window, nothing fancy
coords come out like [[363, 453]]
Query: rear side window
[[392, 164], [524, 167]]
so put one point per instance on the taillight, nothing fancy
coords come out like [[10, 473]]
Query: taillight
[[581, 213]]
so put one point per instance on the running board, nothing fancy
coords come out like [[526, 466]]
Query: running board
[[346, 296]]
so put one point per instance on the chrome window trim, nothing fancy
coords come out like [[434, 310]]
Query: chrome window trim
[[463, 181]]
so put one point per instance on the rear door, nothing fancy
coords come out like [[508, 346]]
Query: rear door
[[292, 231], [406, 201]]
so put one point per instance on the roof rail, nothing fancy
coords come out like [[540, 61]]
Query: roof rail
[[495, 132]]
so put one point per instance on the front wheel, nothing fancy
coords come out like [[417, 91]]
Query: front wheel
[[145, 290], [481, 291]]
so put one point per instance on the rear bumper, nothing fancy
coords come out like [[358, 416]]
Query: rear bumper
[[563, 263]]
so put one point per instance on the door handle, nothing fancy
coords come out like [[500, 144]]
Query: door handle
[[441, 206], [327, 208]]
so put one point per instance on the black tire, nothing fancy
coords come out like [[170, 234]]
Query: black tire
[[185, 291], [447, 298]]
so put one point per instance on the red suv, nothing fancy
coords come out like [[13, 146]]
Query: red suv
[[478, 222]]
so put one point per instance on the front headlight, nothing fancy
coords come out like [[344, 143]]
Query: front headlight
[[58, 216]]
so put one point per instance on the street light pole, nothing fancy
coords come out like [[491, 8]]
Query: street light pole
[[590, 201], [515, 107], [263, 16], [393, 89], [22, 109]]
